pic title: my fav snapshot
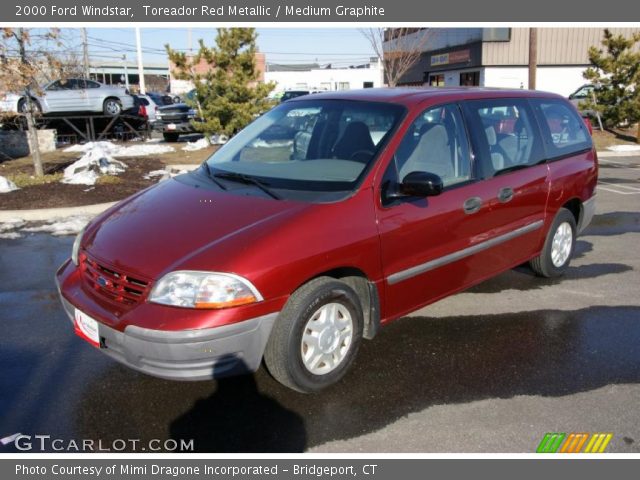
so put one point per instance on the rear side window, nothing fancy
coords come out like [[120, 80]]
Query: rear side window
[[506, 133], [564, 130]]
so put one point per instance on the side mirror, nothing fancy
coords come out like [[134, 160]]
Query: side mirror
[[421, 184]]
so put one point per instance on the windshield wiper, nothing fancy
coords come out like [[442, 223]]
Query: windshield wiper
[[209, 173], [248, 179]]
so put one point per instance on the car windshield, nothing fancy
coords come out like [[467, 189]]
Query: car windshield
[[311, 145]]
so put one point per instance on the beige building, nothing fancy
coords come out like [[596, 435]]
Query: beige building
[[499, 57]]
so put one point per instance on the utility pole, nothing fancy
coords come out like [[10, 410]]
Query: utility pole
[[533, 57], [85, 53], [143, 88], [126, 73]]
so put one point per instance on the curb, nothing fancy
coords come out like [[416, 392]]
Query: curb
[[52, 213], [607, 153]]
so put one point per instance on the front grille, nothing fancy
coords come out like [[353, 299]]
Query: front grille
[[111, 284], [175, 118]]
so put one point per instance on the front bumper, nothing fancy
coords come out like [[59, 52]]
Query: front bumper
[[176, 127], [201, 354]]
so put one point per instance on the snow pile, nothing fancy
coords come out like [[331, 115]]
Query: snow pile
[[154, 173], [95, 162], [8, 227], [110, 148], [218, 139], [624, 148], [62, 226], [197, 145], [7, 185]]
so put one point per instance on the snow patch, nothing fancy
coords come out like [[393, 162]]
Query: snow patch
[[197, 145], [110, 148], [624, 148], [10, 235], [95, 162], [7, 185], [61, 226], [154, 173]]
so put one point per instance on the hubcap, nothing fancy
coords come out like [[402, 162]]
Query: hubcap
[[326, 338], [561, 245], [113, 107]]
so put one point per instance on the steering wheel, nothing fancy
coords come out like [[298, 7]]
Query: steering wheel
[[357, 153]]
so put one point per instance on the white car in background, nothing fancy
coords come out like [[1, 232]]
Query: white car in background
[[72, 95]]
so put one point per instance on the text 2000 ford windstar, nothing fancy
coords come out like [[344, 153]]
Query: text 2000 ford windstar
[[326, 218]]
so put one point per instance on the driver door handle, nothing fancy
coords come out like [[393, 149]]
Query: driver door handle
[[505, 194], [472, 205]]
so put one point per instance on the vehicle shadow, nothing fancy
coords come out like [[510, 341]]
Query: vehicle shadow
[[236, 417], [522, 277], [614, 223], [412, 364]]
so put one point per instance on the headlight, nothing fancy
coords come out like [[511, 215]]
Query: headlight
[[204, 290], [76, 247]]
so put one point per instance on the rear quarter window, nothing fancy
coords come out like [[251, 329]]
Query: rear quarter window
[[563, 130]]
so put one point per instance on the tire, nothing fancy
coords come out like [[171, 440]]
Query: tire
[[112, 107], [23, 106], [286, 347], [171, 137], [554, 260]]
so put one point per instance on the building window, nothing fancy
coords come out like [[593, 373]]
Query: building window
[[367, 84], [470, 79], [343, 86], [436, 80]]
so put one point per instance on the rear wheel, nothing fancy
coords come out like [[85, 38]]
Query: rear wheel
[[112, 107], [316, 336], [555, 256], [171, 137]]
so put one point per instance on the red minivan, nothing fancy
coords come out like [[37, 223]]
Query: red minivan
[[326, 218]]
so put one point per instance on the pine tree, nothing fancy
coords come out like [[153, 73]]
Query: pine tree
[[616, 76], [229, 94]]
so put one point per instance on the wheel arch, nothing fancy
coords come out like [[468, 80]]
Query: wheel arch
[[367, 292], [574, 205]]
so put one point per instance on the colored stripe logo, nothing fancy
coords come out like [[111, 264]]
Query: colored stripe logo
[[574, 443]]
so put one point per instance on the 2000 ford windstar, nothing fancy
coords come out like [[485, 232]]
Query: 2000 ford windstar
[[326, 218]]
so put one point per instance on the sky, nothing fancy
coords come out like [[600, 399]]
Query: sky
[[338, 46]]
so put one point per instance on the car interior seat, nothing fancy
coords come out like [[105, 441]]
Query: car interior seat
[[432, 154], [355, 143]]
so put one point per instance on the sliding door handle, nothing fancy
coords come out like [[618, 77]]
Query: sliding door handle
[[472, 205]]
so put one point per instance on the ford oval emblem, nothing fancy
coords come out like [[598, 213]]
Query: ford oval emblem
[[103, 282]]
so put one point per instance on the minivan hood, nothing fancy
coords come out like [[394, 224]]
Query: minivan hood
[[153, 232]]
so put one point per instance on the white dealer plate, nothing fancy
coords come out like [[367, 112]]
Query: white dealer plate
[[171, 126], [87, 328]]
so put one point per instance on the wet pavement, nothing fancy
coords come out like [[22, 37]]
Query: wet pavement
[[490, 369]]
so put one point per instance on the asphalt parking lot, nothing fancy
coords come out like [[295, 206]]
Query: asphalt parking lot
[[489, 370]]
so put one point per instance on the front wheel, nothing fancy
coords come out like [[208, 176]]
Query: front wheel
[[316, 336], [556, 253], [23, 106]]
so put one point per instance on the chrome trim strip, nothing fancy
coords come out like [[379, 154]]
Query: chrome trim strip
[[460, 254]]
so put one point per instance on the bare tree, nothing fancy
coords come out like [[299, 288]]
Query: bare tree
[[28, 58], [399, 49]]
